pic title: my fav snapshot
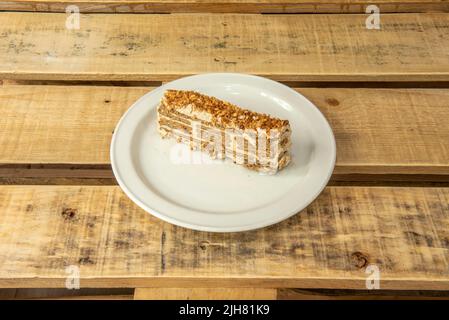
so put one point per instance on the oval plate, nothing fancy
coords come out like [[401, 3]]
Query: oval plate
[[182, 187]]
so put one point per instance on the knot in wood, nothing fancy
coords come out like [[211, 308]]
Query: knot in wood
[[332, 102], [359, 259], [204, 244], [68, 213]]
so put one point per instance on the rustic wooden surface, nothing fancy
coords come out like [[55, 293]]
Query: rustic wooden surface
[[323, 294], [65, 131], [220, 293], [227, 6], [65, 294], [283, 294], [162, 47], [205, 294], [44, 229], [60, 135]]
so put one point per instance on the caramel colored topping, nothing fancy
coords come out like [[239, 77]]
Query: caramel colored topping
[[223, 113]]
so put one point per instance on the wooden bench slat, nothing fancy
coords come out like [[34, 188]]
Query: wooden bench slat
[[338, 47], [325, 294], [378, 131], [226, 6], [66, 294], [205, 294], [403, 231]]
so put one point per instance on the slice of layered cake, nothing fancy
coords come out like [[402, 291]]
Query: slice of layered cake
[[255, 140]]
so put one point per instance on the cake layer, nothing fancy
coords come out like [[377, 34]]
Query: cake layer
[[266, 167], [174, 115], [219, 113], [236, 143], [209, 131], [190, 113], [220, 153], [256, 140]]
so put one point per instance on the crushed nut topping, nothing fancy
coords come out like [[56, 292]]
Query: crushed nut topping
[[223, 113]]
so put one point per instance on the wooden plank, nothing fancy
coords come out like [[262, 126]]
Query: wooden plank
[[387, 131], [283, 294], [403, 231], [73, 124], [205, 294], [65, 131], [227, 6], [411, 47], [317, 294], [98, 297], [65, 294], [7, 294]]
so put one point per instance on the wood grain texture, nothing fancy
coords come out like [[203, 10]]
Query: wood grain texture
[[205, 294], [410, 47], [403, 231], [71, 125], [387, 131], [65, 294], [65, 132], [320, 294], [227, 6]]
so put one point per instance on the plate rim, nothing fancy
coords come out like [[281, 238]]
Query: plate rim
[[239, 228]]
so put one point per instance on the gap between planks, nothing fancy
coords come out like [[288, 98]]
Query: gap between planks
[[106, 178], [292, 84]]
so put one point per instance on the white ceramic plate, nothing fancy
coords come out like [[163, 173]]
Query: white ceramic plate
[[183, 188]]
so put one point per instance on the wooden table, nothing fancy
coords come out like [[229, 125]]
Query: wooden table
[[384, 92]]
